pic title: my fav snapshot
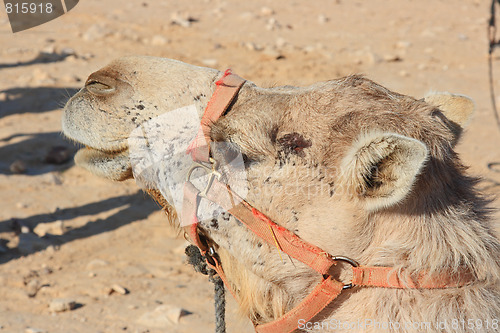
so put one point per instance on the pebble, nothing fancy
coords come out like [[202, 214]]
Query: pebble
[[403, 73], [184, 21], [253, 47], [272, 24], [52, 178], [403, 44], [119, 289], [33, 287], [267, 11], [61, 305], [162, 316], [272, 53], [18, 167], [34, 330], [96, 263], [322, 19], [280, 42], [159, 40], [53, 228], [94, 32], [67, 51], [392, 58], [21, 205], [58, 155]]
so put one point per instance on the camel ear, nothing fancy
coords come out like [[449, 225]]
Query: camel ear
[[380, 168], [457, 108]]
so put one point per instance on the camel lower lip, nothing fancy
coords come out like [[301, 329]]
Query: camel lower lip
[[114, 165]]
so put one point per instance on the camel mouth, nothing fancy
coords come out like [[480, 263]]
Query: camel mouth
[[112, 164]]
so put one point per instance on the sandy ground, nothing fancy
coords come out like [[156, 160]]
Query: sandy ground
[[65, 234]]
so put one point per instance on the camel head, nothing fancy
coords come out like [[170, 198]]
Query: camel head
[[347, 165]]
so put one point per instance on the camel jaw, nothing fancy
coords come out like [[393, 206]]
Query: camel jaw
[[114, 165]]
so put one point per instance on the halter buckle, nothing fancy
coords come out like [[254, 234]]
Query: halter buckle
[[210, 169]]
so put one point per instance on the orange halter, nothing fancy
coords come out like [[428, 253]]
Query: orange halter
[[322, 262]]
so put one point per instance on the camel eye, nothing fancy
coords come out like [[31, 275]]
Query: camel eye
[[98, 88]]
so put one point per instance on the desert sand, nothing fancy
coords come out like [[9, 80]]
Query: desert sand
[[83, 254]]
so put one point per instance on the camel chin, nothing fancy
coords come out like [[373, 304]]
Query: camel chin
[[114, 165]]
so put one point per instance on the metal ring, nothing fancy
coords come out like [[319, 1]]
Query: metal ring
[[210, 170], [350, 261]]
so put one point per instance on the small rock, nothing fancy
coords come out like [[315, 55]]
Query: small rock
[[184, 21], [159, 40], [174, 314], [422, 67], [119, 289], [53, 228], [67, 51], [309, 48], [58, 155], [266, 11], [210, 62], [50, 49], [273, 24], [463, 37], [4, 97], [61, 305], [403, 44], [280, 42], [52, 178], [21, 205], [403, 73], [272, 53], [322, 19], [18, 167], [163, 316], [34, 330], [253, 47], [51, 249], [95, 32], [33, 287], [96, 263], [392, 58]]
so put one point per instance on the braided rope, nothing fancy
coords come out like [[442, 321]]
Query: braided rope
[[198, 262]]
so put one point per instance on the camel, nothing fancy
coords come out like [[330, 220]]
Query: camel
[[347, 165]]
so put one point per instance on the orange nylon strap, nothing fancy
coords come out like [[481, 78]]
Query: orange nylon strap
[[257, 222], [189, 214], [317, 300], [387, 277], [225, 91]]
